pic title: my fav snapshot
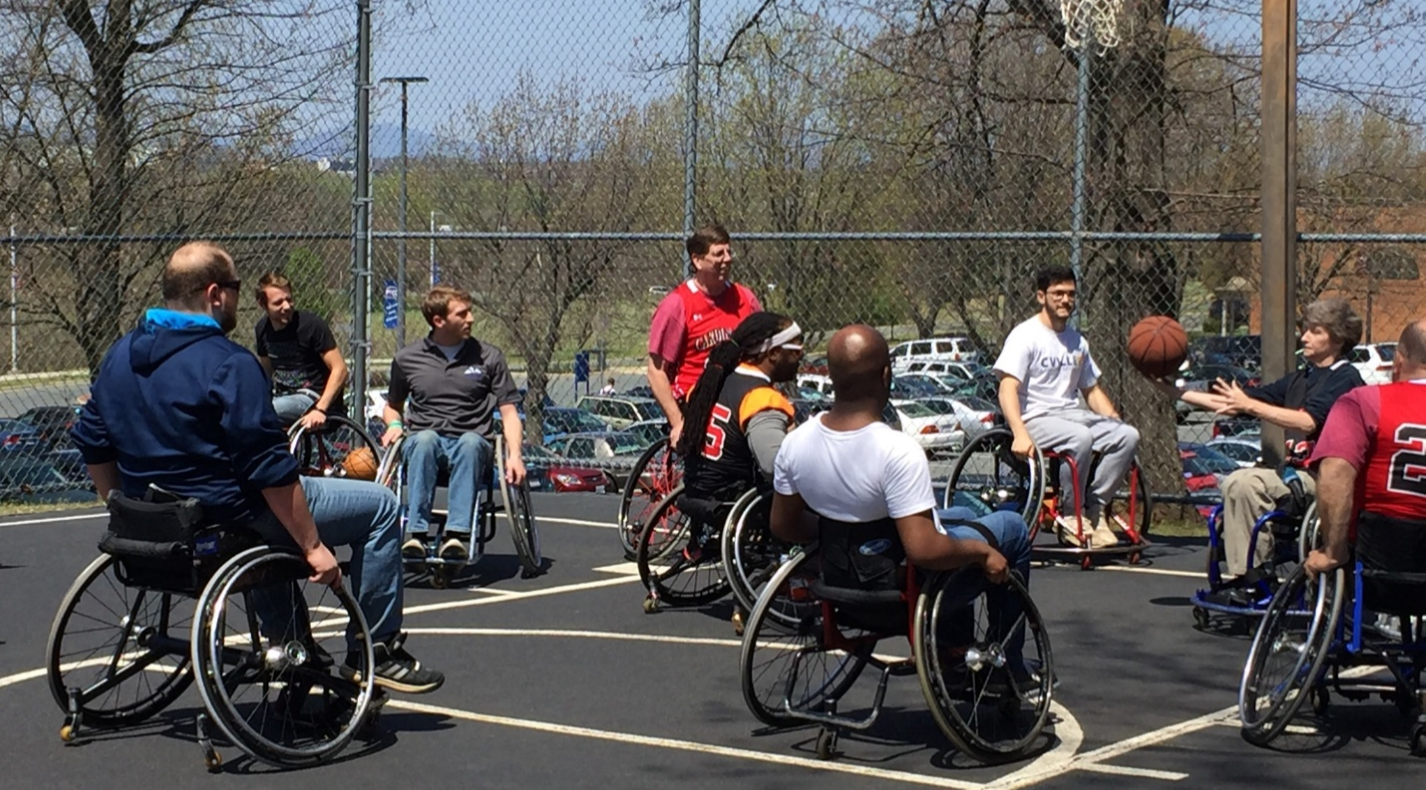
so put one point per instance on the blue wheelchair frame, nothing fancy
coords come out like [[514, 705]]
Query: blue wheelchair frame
[[1260, 592]]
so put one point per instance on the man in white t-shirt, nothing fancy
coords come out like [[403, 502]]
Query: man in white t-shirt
[[1044, 368], [852, 470]]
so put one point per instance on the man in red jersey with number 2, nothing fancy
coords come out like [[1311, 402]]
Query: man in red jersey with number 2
[[695, 317]]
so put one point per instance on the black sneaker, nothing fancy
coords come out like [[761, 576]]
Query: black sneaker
[[398, 670]]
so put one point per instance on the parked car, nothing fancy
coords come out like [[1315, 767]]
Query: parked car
[[959, 371], [937, 434], [1235, 426], [620, 411], [814, 364], [907, 386], [649, 431], [973, 415], [948, 349], [1243, 351], [1246, 450], [615, 452], [561, 420], [28, 481], [815, 382], [1204, 467], [1373, 361], [19, 437], [548, 472], [641, 391], [52, 423]]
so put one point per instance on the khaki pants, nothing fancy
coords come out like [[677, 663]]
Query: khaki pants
[[1247, 495]]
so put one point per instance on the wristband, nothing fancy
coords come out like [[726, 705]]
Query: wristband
[[319, 408], [395, 424]]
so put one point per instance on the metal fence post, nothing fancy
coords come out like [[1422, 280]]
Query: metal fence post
[[361, 210]]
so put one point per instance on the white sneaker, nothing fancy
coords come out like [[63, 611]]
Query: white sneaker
[[1103, 536], [1070, 529]]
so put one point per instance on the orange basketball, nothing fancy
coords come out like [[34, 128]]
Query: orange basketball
[[360, 464], [1157, 346]]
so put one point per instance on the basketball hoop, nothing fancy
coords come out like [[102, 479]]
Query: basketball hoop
[[1096, 19]]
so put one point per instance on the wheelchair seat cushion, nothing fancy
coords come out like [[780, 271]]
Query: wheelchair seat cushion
[[1392, 553], [866, 557]]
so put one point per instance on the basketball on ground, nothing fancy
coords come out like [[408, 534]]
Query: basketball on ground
[[360, 464], [1157, 346]]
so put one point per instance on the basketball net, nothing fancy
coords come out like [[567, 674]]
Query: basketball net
[[1101, 17]]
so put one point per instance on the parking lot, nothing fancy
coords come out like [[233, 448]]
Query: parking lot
[[563, 681]]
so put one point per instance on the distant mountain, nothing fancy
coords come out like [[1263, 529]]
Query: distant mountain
[[385, 143]]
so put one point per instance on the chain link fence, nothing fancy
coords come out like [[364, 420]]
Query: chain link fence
[[899, 162]]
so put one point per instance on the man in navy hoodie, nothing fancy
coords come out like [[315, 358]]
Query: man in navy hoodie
[[179, 405]]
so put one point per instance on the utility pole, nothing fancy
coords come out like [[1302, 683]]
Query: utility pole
[[401, 242]]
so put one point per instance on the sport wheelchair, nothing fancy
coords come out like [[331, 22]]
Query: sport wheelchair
[[283, 666], [808, 641], [1295, 534], [1321, 635], [734, 550], [514, 503], [987, 470]]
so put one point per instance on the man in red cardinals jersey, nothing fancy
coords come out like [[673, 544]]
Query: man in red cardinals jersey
[[695, 317], [1371, 456]]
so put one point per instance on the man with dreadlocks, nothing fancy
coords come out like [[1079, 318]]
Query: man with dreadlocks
[[736, 419]]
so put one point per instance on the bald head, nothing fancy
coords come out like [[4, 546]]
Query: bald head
[[857, 360], [193, 268], [1411, 347]]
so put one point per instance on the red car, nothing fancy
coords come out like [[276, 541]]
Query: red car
[[543, 465]]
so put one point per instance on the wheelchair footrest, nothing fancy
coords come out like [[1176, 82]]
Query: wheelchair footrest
[[831, 718]]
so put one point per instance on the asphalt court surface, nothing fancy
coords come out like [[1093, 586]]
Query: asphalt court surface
[[563, 681]]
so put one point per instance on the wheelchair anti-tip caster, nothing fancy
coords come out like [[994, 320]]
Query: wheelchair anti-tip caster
[[211, 759], [1321, 700], [827, 743], [651, 604]]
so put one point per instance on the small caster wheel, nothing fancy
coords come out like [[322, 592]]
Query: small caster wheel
[[826, 744], [1418, 741], [440, 579], [67, 733], [1136, 557], [1200, 618], [1086, 562], [737, 620], [1321, 699], [651, 605], [213, 761]]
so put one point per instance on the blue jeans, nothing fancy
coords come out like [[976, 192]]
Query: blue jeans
[[290, 408], [352, 513], [1014, 539], [467, 458]]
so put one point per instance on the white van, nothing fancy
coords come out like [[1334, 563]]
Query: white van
[[939, 349]]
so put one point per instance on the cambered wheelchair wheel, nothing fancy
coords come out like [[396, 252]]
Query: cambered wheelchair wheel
[[274, 663], [751, 555], [123, 651], [1309, 535], [324, 452], [991, 710], [654, 476], [520, 516], [675, 571], [788, 663], [992, 476], [1288, 650]]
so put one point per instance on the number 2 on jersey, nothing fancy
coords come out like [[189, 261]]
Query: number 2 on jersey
[[1408, 467], [717, 432]]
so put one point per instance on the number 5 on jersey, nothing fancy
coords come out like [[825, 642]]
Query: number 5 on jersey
[[717, 432]]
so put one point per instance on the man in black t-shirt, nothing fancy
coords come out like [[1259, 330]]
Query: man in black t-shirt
[[300, 355]]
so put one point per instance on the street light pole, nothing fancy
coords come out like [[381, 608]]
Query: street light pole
[[401, 242]]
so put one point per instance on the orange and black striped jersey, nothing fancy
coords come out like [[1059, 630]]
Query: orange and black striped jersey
[[727, 459]]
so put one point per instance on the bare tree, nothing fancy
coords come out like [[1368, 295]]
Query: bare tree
[[154, 117]]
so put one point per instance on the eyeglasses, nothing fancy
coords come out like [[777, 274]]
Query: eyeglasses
[[236, 285]]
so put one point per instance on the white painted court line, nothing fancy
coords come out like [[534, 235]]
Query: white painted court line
[[1146, 773], [577, 522], [54, 519], [1153, 571], [622, 568], [437, 607], [689, 746], [496, 592], [576, 634]]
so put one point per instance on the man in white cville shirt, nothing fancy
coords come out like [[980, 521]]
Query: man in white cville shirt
[[1044, 368]]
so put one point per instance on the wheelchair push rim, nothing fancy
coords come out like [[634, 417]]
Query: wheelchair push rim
[[637, 501], [122, 657], [987, 472], [1287, 653], [323, 452], [751, 554], [523, 532], [666, 569], [293, 696], [984, 711]]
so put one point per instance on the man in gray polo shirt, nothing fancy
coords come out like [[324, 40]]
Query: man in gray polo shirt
[[446, 388]]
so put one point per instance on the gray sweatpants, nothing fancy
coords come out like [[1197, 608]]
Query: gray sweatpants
[[1079, 433], [1247, 495]]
